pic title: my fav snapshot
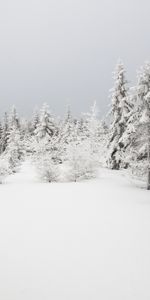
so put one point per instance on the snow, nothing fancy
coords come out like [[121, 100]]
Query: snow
[[27, 174], [69, 241]]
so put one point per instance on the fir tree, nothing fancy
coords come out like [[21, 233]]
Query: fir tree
[[5, 132], [141, 139], [13, 119], [1, 141], [120, 111], [46, 125], [14, 150], [35, 121]]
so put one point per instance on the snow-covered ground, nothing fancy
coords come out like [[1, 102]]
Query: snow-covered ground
[[74, 241]]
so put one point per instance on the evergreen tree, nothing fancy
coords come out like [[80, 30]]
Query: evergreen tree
[[14, 150], [35, 121], [120, 111], [1, 141], [67, 127], [13, 119], [5, 132], [92, 129], [46, 126], [141, 139], [12, 136]]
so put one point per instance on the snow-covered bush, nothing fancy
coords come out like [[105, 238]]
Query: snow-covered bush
[[46, 160], [4, 168], [80, 162], [47, 169]]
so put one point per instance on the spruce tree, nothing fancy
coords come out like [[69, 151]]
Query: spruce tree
[[13, 119], [1, 135], [46, 126], [5, 132], [120, 110], [141, 145]]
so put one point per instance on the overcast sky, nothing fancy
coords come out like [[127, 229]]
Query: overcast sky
[[64, 51]]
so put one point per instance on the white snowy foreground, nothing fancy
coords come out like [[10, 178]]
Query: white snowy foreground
[[74, 241]]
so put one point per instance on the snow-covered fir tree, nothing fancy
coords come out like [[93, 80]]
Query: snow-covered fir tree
[[46, 125], [5, 132], [127, 138], [14, 147], [14, 150], [120, 111], [67, 127], [1, 134], [34, 121], [13, 118], [141, 140], [94, 130], [47, 146]]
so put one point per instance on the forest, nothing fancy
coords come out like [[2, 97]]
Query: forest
[[73, 149]]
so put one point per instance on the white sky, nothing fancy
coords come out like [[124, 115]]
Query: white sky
[[64, 51]]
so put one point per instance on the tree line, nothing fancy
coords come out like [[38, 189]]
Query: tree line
[[72, 149]]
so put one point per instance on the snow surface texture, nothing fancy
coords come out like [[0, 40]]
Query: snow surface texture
[[69, 241]]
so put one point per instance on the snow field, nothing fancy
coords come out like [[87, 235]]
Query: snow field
[[88, 240]]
